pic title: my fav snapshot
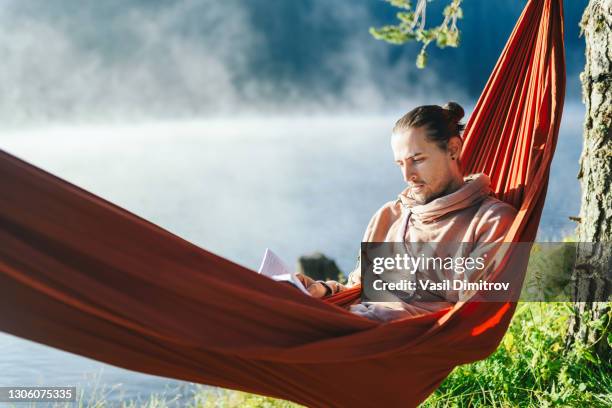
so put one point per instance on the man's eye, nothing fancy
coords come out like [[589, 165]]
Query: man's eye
[[418, 160]]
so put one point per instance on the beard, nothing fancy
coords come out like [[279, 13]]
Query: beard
[[447, 188]]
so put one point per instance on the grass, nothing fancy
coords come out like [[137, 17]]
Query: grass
[[530, 369]]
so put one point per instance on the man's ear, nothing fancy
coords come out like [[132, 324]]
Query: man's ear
[[454, 146]]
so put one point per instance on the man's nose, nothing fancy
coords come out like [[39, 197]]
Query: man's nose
[[409, 174]]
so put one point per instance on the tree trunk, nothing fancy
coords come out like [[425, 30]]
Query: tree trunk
[[595, 175]]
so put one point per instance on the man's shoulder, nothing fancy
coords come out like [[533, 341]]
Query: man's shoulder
[[393, 207], [494, 207], [494, 219], [383, 221]]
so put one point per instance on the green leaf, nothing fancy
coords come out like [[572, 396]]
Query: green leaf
[[452, 38], [421, 60], [406, 17], [508, 341], [441, 40], [405, 4]]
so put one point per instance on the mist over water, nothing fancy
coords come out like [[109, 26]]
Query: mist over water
[[83, 61]]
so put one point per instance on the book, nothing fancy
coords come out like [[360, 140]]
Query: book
[[274, 267]]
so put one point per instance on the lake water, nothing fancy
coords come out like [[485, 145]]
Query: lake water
[[235, 187]]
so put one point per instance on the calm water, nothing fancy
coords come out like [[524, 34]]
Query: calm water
[[236, 187]]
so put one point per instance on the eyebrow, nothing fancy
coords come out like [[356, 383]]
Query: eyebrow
[[410, 157]]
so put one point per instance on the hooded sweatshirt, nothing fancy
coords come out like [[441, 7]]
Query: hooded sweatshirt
[[470, 216]]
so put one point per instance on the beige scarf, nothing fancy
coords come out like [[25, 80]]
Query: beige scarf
[[475, 189]]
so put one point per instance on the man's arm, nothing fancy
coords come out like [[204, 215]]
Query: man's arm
[[319, 289], [354, 278]]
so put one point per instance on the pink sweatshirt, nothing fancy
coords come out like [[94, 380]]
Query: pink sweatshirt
[[469, 215]]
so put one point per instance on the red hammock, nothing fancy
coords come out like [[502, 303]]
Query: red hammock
[[83, 275]]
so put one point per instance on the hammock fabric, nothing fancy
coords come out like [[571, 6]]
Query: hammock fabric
[[83, 275]]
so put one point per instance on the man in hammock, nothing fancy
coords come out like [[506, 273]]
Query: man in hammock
[[439, 205]]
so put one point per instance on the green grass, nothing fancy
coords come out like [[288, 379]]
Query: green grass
[[529, 368]]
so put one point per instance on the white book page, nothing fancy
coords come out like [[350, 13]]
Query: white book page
[[273, 267]]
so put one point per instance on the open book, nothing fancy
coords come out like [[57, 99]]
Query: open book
[[273, 267]]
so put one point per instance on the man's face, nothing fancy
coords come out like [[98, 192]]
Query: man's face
[[426, 168]]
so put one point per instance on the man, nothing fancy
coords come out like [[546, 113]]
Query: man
[[439, 205]]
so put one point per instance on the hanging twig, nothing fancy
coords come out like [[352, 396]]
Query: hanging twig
[[411, 27]]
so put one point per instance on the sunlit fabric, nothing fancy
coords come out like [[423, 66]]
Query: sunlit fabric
[[83, 275]]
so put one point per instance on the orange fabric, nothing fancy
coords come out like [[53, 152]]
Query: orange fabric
[[83, 275]]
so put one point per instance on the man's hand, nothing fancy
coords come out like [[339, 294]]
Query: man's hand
[[318, 289]]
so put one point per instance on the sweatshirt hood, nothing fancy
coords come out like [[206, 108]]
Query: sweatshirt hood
[[475, 189]]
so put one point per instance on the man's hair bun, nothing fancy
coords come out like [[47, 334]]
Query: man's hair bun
[[442, 122], [455, 110]]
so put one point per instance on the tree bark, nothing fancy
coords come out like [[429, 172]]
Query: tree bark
[[595, 175]]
